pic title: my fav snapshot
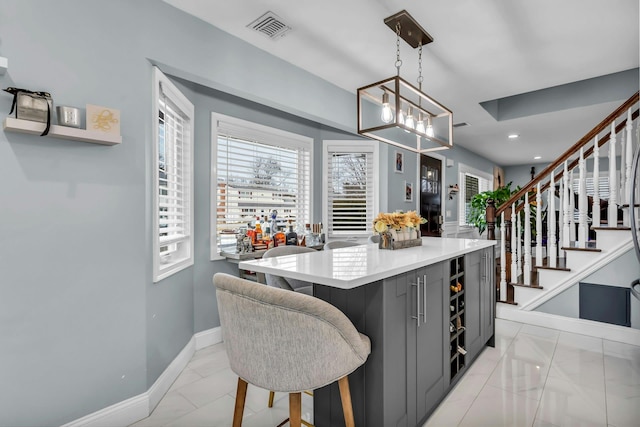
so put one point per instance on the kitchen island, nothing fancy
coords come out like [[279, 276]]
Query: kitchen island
[[429, 311]]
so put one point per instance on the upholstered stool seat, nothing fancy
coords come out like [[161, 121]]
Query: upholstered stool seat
[[287, 342]]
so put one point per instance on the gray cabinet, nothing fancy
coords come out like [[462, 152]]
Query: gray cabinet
[[407, 318], [473, 288], [426, 338], [488, 295]]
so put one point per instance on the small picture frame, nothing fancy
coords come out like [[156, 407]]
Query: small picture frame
[[408, 191], [399, 162]]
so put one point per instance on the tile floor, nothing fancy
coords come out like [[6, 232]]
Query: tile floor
[[534, 377]]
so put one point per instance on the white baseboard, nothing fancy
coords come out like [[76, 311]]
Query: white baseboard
[[120, 414], [138, 407], [570, 324], [208, 337]]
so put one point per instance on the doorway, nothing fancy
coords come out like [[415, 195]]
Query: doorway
[[431, 195]]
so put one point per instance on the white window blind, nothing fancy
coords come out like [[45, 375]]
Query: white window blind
[[174, 189], [258, 172], [350, 191]]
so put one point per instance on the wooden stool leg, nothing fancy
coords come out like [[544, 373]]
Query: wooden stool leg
[[271, 396], [241, 394], [295, 409], [345, 395]]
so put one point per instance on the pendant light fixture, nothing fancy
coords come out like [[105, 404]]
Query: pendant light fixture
[[399, 113]]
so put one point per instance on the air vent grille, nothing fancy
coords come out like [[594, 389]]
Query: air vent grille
[[460, 125], [270, 25]]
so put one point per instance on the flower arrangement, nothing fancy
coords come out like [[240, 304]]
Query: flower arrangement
[[397, 226]]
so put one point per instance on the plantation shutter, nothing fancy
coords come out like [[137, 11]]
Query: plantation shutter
[[471, 185], [256, 174], [350, 189]]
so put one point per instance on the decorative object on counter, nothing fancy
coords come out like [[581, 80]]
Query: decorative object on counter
[[68, 116], [243, 243], [398, 230], [103, 119], [32, 106], [292, 236]]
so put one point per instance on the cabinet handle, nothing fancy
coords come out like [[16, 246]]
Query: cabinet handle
[[484, 275], [424, 298], [417, 316]]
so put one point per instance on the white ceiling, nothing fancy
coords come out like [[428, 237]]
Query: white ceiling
[[482, 50]]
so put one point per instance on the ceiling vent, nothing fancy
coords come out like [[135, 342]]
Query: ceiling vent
[[460, 125], [270, 25]]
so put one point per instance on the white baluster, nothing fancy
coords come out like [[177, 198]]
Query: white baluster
[[621, 178], [519, 245], [628, 160], [514, 246], [538, 226], [612, 211], [527, 241], [572, 209], [561, 212], [503, 258], [551, 225], [595, 210], [566, 195], [583, 227]]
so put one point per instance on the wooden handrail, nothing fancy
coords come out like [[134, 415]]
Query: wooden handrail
[[571, 151], [587, 154]]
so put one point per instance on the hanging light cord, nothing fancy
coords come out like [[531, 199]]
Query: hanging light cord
[[398, 60], [420, 78]]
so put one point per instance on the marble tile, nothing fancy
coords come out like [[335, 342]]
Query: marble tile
[[172, 406], [207, 351], [451, 411], [496, 407], [565, 403], [216, 413], [539, 331], [507, 328], [209, 364], [532, 348], [621, 376], [257, 398], [520, 375], [187, 376], [582, 367], [583, 342], [623, 411], [541, 423], [206, 390]]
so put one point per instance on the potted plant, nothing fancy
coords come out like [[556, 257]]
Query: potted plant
[[477, 213]]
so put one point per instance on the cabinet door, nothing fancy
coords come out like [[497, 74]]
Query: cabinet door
[[472, 285], [488, 294], [430, 339]]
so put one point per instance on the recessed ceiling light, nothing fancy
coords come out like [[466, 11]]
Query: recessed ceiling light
[[537, 157], [513, 136]]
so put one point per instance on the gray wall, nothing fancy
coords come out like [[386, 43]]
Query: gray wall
[[620, 272], [82, 325]]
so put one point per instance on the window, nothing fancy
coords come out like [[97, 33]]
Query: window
[[350, 192], [472, 182], [256, 169], [173, 179]]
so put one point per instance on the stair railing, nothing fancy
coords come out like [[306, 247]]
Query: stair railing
[[557, 180]]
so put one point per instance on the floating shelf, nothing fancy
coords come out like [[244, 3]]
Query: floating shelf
[[4, 64], [63, 132]]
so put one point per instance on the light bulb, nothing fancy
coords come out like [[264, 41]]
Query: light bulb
[[401, 117], [409, 122], [420, 124], [430, 133], [386, 115]]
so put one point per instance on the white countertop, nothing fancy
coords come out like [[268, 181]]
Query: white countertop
[[348, 268]]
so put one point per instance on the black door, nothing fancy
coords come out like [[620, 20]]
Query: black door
[[430, 195]]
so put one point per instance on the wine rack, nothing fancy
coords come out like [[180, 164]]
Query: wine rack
[[457, 323]]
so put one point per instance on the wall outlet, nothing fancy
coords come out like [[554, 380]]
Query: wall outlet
[[448, 214]]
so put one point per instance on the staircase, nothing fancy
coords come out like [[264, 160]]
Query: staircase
[[580, 223]]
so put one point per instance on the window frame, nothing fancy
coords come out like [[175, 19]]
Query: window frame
[[163, 270], [349, 146], [464, 170], [263, 134]]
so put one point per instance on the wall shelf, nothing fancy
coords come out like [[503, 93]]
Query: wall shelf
[[35, 128], [4, 64]]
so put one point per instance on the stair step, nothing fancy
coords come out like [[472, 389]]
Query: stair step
[[581, 249], [626, 205], [522, 285], [611, 228], [544, 267], [561, 264], [508, 302]]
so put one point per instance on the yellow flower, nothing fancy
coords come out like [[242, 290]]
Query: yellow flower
[[380, 227]]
